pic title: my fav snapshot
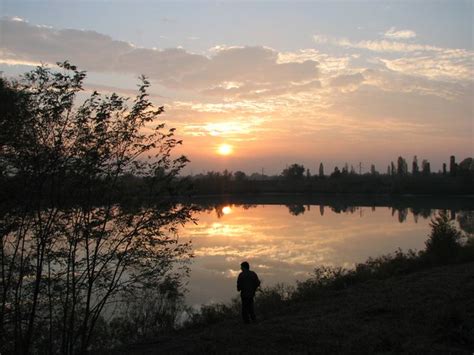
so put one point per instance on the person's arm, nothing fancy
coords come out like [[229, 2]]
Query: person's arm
[[257, 280]]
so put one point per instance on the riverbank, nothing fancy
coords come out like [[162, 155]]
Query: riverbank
[[420, 184], [430, 311]]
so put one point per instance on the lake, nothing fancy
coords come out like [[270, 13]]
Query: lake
[[285, 242]]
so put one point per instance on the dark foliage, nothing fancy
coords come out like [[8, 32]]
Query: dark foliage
[[293, 180], [70, 247]]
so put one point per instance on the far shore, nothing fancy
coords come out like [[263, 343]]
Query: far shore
[[446, 202]]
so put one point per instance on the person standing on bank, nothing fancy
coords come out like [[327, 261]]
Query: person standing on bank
[[247, 284]]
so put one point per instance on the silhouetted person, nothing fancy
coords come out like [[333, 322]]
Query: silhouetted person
[[247, 284]]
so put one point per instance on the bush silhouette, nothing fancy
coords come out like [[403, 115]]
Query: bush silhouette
[[443, 242]]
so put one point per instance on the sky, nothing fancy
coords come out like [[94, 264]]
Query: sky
[[277, 82]]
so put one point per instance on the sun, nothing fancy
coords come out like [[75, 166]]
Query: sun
[[225, 149], [226, 210]]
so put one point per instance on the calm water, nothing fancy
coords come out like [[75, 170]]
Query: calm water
[[285, 243]]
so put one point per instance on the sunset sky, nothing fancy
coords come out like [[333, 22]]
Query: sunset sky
[[277, 82]]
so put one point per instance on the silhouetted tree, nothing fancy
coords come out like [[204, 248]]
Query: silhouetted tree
[[240, 176], [345, 169], [452, 165], [425, 167], [372, 170], [466, 167], [226, 175], [392, 169], [321, 170], [402, 167], [336, 172], [293, 172], [415, 169], [69, 247]]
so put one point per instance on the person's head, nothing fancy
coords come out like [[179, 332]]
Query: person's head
[[245, 266]]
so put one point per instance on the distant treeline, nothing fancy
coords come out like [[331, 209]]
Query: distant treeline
[[297, 179]]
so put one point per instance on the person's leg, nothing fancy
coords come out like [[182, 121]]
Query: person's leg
[[251, 310], [245, 309]]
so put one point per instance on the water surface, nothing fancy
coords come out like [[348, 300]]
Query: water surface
[[283, 243]]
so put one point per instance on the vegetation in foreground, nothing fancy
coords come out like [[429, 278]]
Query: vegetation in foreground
[[405, 302], [74, 247]]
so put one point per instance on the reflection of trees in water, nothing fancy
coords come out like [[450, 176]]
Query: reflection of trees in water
[[402, 214], [218, 208], [426, 213], [86, 259], [296, 210], [466, 221]]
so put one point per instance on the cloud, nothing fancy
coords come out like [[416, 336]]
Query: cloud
[[17, 19], [378, 45], [392, 33], [347, 80], [280, 102], [418, 59], [446, 65], [236, 128], [396, 81], [326, 63], [22, 41], [250, 65], [174, 67], [441, 109]]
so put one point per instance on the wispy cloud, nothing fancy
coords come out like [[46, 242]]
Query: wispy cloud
[[417, 59], [227, 129], [392, 33], [446, 65], [375, 45]]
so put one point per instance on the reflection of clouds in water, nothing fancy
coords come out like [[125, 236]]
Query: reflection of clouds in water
[[283, 248], [231, 273], [306, 242]]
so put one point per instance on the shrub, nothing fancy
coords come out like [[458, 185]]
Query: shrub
[[443, 244], [268, 299], [213, 313]]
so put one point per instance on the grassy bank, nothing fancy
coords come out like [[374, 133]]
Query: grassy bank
[[429, 311]]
